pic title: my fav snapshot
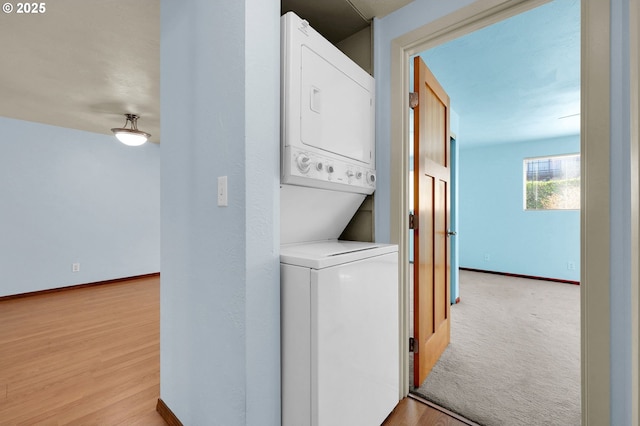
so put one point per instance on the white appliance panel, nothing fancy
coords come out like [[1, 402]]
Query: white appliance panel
[[335, 110], [312, 214], [323, 254], [340, 342], [295, 302], [301, 167], [328, 113], [354, 336]]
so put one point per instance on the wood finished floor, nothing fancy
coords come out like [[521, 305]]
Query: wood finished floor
[[87, 356], [412, 412], [91, 356]]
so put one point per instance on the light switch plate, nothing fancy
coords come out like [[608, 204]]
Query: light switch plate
[[222, 191]]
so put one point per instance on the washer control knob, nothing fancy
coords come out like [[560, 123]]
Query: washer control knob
[[350, 174], [358, 175], [303, 162], [319, 166], [330, 169], [371, 178]]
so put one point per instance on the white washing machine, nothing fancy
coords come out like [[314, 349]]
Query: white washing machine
[[340, 344], [339, 308]]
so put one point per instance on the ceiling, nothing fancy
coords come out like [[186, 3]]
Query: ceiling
[[83, 65], [516, 80]]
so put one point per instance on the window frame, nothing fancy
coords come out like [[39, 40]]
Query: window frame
[[524, 180]]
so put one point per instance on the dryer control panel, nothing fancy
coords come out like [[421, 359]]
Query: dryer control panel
[[305, 168]]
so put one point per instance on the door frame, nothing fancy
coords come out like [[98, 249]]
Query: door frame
[[594, 213]]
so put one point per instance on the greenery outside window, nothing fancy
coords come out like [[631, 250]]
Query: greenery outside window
[[552, 183]]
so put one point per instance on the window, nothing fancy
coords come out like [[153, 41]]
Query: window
[[552, 183]]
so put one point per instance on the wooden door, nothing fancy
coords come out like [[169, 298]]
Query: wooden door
[[431, 209]]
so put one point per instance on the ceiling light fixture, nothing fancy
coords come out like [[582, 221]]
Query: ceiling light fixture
[[131, 136]]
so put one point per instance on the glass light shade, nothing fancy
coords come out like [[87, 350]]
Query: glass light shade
[[131, 137]]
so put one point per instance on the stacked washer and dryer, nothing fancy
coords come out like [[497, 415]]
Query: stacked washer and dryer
[[339, 308]]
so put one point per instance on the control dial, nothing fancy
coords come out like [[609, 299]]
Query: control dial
[[371, 178], [303, 162]]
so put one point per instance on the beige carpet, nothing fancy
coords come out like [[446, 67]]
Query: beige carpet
[[514, 356]]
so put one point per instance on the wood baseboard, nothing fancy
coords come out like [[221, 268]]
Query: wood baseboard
[[73, 287], [531, 277], [166, 413]]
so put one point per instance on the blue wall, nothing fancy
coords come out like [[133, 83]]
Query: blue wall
[[69, 196], [414, 15], [421, 12], [494, 224], [620, 217], [210, 363], [220, 285]]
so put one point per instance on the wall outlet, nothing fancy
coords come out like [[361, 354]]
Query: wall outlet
[[75, 267], [571, 266], [487, 257]]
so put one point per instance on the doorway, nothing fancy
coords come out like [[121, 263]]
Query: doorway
[[505, 365], [595, 143]]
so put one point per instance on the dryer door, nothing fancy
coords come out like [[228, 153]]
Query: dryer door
[[336, 111]]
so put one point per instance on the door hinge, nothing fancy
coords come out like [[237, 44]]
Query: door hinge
[[413, 100], [413, 345], [413, 221]]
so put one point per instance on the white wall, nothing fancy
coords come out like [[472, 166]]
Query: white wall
[[70, 196], [220, 286]]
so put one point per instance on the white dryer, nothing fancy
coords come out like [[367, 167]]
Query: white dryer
[[327, 133], [339, 308]]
